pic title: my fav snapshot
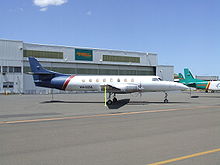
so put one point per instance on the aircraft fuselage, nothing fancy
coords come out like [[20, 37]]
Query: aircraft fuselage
[[126, 84]]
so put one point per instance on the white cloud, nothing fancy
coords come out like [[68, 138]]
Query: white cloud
[[44, 9], [45, 3]]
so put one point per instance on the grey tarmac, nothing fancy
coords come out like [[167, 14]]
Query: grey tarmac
[[79, 129]]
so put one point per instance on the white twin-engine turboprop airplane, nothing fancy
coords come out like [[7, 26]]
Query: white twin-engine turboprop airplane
[[107, 83]]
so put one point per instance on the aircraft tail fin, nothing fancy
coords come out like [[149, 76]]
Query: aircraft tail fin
[[188, 74], [189, 79], [42, 77], [36, 67], [181, 78]]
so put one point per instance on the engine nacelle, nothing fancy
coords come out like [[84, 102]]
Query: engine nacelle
[[129, 88]]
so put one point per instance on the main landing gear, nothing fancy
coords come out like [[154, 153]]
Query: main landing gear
[[114, 100], [165, 98]]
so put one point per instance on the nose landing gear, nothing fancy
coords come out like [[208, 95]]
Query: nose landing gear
[[165, 98]]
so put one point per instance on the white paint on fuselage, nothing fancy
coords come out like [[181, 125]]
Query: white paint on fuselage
[[214, 85], [145, 83]]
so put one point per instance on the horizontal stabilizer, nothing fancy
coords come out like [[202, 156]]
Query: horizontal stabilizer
[[41, 73], [192, 85]]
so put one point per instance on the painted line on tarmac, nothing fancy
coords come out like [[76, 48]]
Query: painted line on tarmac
[[103, 115], [186, 157]]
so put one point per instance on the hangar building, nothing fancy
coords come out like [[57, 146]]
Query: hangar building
[[14, 64]]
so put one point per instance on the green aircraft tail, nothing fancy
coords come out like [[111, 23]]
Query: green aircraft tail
[[181, 78], [189, 77], [188, 74], [190, 81]]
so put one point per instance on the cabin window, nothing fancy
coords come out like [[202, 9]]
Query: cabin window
[[97, 80], [111, 79], [90, 80], [118, 80], [104, 79], [125, 80], [83, 80], [132, 80]]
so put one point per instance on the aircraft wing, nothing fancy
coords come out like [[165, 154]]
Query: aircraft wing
[[110, 87], [121, 88]]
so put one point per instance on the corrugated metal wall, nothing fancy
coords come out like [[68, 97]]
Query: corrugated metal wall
[[165, 72], [11, 55]]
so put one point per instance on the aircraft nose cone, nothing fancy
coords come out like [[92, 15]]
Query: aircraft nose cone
[[181, 86]]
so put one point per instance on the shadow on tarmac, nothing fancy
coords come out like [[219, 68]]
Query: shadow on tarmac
[[210, 96], [116, 105], [194, 97], [73, 102], [147, 102], [207, 96]]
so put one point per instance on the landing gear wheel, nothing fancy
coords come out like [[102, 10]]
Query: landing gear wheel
[[165, 98], [115, 99], [109, 102]]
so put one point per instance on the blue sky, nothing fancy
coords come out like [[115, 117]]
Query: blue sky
[[184, 33]]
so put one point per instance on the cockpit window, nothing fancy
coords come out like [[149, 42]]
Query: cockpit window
[[155, 79], [160, 79]]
